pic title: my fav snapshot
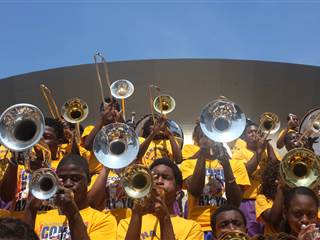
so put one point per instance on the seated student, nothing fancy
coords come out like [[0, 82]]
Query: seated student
[[157, 221], [73, 219], [269, 201], [158, 141], [300, 213], [15, 229], [292, 125], [211, 180], [255, 156], [228, 218]]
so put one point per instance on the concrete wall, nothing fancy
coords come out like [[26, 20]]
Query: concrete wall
[[255, 86]]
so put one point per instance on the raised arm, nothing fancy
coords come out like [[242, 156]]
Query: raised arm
[[176, 151]]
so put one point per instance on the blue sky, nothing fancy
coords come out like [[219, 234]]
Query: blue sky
[[37, 35]]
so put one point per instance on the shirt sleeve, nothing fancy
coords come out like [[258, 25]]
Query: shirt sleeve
[[240, 172], [262, 204], [187, 168], [122, 229], [195, 233], [104, 226]]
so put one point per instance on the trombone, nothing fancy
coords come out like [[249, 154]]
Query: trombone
[[120, 89], [269, 124], [46, 93]]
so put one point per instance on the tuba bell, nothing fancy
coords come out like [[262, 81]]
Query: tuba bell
[[222, 120], [300, 167], [164, 104], [44, 183], [116, 145], [137, 181], [269, 124], [21, 127]]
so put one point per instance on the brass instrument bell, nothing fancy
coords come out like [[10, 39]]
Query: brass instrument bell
[[121, 89], [300, 167], [164, 104], [75, 110]]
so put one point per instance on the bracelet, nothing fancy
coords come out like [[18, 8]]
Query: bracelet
[[233, 180]]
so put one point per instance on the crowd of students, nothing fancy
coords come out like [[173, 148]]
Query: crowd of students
[[200, 191]]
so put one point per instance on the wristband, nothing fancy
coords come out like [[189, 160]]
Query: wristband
[[233, 180]]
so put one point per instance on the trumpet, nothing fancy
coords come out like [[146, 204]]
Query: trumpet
[[137, 181], [21, 128], [269, 124], [222, 120], [44, 183], [300, 167], [116, 145]]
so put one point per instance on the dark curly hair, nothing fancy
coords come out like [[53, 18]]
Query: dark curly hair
[[15, 229], [56, 125], [269, 175]]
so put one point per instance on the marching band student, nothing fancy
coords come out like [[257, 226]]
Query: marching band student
[[292, 125], [269, 201], [16, 178], [300, 213], [228, 218], [255, 155], [73, 219], [211, 180], [158, 141], [156, 219], [109, 113], [15, 229]]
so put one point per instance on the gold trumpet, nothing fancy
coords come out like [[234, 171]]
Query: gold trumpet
[[137, 181], [164, 104], [269, 124], [300, 167]]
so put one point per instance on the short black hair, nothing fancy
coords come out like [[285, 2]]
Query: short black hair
[[225, 208], [56, 125], [169, 163], [108, 100], [15, 229], [76, 160]]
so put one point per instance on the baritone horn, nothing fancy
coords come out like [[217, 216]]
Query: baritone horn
[[44, 183], [300, 167], [269, 124], [222, 120], [116, 145], [21, 128], [137, 181]]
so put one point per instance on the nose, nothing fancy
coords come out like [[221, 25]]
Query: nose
[[68, 183], [231, 227], [159, 180], [304, 220]]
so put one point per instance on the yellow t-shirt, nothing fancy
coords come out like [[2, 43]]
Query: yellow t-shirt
[[52, 225], [94, 165], [117, 202], [201, 208], [150, 228], [5, 155], [263, 204], [157, 149], [244, 154]]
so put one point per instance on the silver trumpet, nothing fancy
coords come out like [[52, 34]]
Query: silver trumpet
[[121, 89], [44, 183]]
